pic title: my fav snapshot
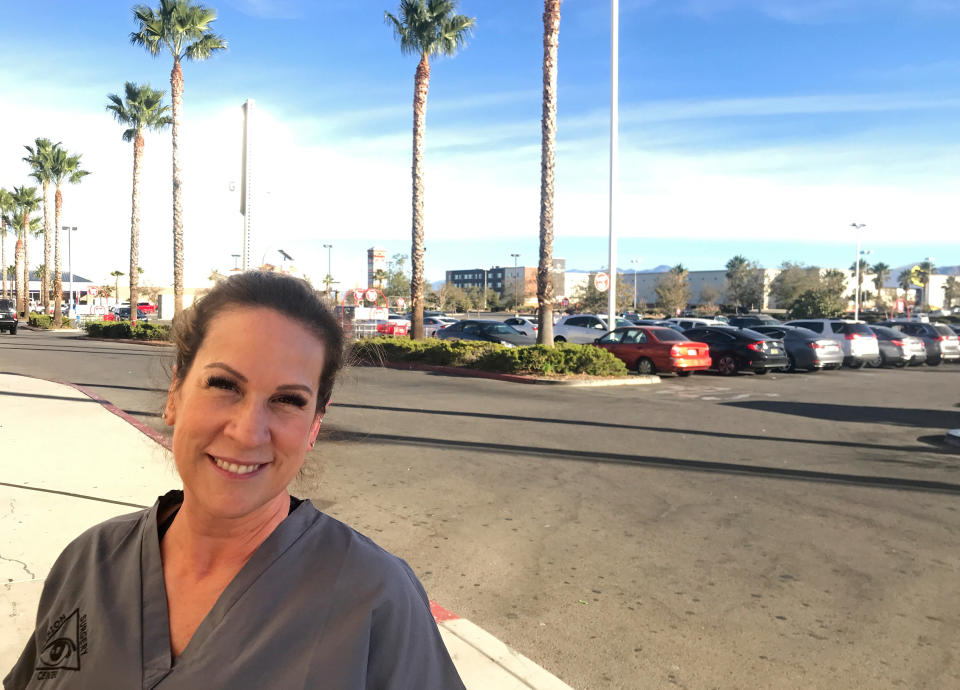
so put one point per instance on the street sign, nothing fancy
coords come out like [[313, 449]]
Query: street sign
[[401, 303], [371, 295], [901, 305], [602, 282], [565, 302], [92, 290]]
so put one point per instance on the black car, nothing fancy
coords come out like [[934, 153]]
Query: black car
[[491, 331], [805, 349], [123, 314], [736, 349], [8, 316], [751, 320]]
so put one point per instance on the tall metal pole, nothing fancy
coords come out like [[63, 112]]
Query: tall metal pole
[[856, 280], [329, 248], [515, 280], [246, 181], [69, 232], [614, 126]]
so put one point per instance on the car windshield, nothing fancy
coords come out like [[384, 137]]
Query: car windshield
[[887, 333], [498, 329], [667, 335], [747, 333], [6, 304], [944, 330], [859, 328]]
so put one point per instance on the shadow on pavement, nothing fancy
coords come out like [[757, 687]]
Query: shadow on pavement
[[898, 416], [896, 483], [655, 429]]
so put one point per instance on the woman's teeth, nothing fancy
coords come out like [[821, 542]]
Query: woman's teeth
[[236, 469]]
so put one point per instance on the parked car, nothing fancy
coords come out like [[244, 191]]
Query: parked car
[[653, 349], [751, 320], [686, 323], [392, 326], [805, 349], [123, 314], [737, 349], [955, 328], [432, 324], [8, 316], [527, 326], [144, 306], [899, 349], [855, 337], [583, 328], [489, 330], [942, 343]]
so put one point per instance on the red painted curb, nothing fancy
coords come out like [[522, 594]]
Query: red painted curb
[[440, 614], [133, 421]]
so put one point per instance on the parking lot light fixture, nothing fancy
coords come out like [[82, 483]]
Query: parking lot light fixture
[[636, 265], [856, 297], [515, 281]]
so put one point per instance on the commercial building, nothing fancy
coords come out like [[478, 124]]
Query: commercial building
[[508, 281], [376, 261]]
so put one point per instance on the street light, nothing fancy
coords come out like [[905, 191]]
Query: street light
[[863, 252], [856, 297], [515, 281], [926, 287], [70, 231], [635, 262], [329, 248]]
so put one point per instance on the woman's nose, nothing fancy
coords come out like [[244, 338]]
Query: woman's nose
[[249, 426]]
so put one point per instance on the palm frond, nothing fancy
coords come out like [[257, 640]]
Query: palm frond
[[430, 27], [205, 46]]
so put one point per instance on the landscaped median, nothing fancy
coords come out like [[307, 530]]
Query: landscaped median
[[144, 330], [583, 364]]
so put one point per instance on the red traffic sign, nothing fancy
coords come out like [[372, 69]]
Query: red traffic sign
[[92, 290], [565, 302], [602, 282]]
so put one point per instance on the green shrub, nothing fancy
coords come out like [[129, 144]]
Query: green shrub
[[124, 329], [564, 358], [40, 321]]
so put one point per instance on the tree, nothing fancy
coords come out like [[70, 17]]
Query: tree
[[398, 278], [673, 290], [927, 269], [40, 161], [64, 167], [793, 280], [548, 151], [425, 28], [744, 282], [183, 28], [905, 280], [6, 208], [141, 108], [25, 202], [379, 278], [116, 276], [881, 272], [951, 291], [587, 298], [860, 277], [817, 303]]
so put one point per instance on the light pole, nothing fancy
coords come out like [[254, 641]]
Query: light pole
[[329, 248], [70, 231], [856, 297], [614, 158], [515, 281], [926, 286], [636, 263]]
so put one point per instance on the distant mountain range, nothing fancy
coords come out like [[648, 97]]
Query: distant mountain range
[[621, 271]]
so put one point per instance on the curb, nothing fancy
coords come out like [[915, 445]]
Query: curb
[[518, 378], [156, 343]]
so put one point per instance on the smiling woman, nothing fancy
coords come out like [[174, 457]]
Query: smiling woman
[[232, 582]]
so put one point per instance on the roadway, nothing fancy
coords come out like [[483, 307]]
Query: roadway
[[779, 531]]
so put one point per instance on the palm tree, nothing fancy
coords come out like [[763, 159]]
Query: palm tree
[[141, 108], [927, 269], [379, 278], [39, 161], [881, 272], [548, 145], [425, 28], [183, 28], [116, 289], [25, 202], [64, 168], [6, 208]]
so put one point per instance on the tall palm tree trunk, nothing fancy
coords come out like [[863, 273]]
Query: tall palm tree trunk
[[176, 96], [18, 275], [421, 85], [3, 256], [57, 272], [135, 227], [26, 271], [548, 139], [45, 282]]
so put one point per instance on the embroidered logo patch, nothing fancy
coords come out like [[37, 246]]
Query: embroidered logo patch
[[66, 642]]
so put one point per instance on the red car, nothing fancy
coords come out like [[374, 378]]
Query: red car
[[651, 349]]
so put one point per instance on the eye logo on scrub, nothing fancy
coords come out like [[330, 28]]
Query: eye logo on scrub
[[66, 642]]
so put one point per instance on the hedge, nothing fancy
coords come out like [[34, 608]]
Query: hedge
[[562, 359], [124, 329], [45, 321]]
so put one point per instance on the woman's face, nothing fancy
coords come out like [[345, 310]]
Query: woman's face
[[245, 415]]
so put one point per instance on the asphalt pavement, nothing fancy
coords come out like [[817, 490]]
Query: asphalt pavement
[[779, 531]]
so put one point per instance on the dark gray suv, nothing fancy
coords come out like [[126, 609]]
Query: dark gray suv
[[942, 343], [8, 316]]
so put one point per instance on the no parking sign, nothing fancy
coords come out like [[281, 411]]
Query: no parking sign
[[602, 282]]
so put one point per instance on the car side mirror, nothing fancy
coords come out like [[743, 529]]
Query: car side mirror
[[596, 340]]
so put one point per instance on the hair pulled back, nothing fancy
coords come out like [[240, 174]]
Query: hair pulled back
[[292, 297]]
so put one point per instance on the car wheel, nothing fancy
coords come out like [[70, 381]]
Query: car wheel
[[760, 372], [899, 365], [684, 372], [875, 363], [857, 364], [933, 362], [645, 367], [815, 370], [726, 366], [791, 365], [13, 331], [559, 339]]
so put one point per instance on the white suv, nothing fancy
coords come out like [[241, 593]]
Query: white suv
[[695, 322], [858, 342], [583, 328]]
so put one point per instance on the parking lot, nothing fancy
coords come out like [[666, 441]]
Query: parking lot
[[794, 531]]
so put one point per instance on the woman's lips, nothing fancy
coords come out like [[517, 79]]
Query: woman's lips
[[234, 469]]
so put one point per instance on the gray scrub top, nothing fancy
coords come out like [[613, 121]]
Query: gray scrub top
[[318, 605]]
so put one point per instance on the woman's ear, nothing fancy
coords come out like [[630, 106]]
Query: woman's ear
[[315, 428], [170, 409]]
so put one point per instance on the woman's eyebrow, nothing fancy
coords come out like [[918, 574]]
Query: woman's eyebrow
[[243, 379]]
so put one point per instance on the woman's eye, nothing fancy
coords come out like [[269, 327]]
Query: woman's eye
[[222, 383], [295, 400]]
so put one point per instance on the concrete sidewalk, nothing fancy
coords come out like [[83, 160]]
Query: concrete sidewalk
[[51, 497]]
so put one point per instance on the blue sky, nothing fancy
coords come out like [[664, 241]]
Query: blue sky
[[761, 127]]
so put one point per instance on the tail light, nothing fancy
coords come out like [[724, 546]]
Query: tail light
[[898, 343], [853, 336], [757, 346], [940, 338], [816, 345], [675, 351]]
